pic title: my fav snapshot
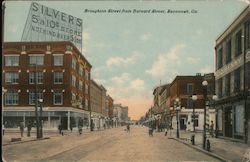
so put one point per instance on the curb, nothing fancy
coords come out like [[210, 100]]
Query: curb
[[203, 151], [12, 143]]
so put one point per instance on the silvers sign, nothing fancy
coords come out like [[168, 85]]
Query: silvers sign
[[47, 24]]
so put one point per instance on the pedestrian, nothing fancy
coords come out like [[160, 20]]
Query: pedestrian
[[212, 128], [21, 128], [128, 128], [150, 131], [80, 129], [60, 128], [29, 126], [71, 127], [3, 129]]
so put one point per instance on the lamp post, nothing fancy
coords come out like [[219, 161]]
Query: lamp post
[[40, 117], [194, 98], [215, 97], [204, 84], [177, 105]]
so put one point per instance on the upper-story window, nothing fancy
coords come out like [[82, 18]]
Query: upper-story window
[[73, 65], [248, 34], [36, 59], [219, 59], [81, 73], [86, 104], [58, 60], [190, 88], [237, 78], [12, 60], [58, 98], [58, 77], [73, 81], [32, 97], [39, 77], [11, 77], [228, 51], [238, 44], [209, 89], [11, 98], [219, 87], [86, 89], [73, 96], [80, 85], [86, 75], [227, 85]]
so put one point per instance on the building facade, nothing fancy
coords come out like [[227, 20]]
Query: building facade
[[232, 55], [54, 73], [184, 87]]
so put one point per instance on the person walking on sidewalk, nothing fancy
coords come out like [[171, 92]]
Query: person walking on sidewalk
[[71, 127], [29, 126], [212, 129], [21, 128], [80, 129]]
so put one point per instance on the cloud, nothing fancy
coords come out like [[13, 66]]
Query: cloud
[[145, 36], [122, 61], [137, 84], [192, 60], [117, 80], [207, 69], [245, 1], [85, 41], [160, 66]]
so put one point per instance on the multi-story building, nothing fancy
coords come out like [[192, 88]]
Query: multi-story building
[[53, 73], [184, 87], [232, 55], [121, 113], [96, 98], [110, 106]]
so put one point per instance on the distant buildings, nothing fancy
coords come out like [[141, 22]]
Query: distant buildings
[[120, 114], [233, 79]]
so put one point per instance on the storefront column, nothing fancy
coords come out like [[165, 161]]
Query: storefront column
[[24, 119], [48, 119], [68, 120]]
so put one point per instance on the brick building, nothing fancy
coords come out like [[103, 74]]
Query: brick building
[[183, 87], [232, 55], [110, 106], [60, 74]]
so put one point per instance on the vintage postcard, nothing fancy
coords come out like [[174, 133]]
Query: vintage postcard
[[136, 80]]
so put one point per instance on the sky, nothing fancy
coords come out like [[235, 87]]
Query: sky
[[132, 53]]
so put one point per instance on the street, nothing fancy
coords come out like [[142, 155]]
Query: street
[[107, 145]]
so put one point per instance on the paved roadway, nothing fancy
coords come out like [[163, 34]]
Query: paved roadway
[[108, 145]]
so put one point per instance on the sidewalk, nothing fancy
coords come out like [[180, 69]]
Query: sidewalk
[[225, 149]]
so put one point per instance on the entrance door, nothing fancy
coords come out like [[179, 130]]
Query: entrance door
[[183, 123], [228, 122]]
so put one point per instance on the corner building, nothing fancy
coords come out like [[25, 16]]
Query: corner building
[[61, 75], [232, 55]]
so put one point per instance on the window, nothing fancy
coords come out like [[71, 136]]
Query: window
[[239, 119], [58, 60], [209, 89], [73, 65], [81, 70], [86, 104], [219, 59], [11, 60], [227, 84], [73, 96], [80, 85], [86, 75], [32, 97], [11, 98], [36, 60], [238, 47], [39, 77], [190, 103], [86, 88], [58, 77], [219, 87], [190, 88], [248, 34], [228, 51], [57, 98], [73, 80], [237, 80], [11, 77]]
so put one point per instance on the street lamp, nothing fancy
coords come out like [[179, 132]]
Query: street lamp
[[177, 105], [204, 84], [40, 117], [194, 98], [215, 98]]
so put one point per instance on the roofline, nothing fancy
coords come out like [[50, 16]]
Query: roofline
[[220, 37], [44, 42]]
